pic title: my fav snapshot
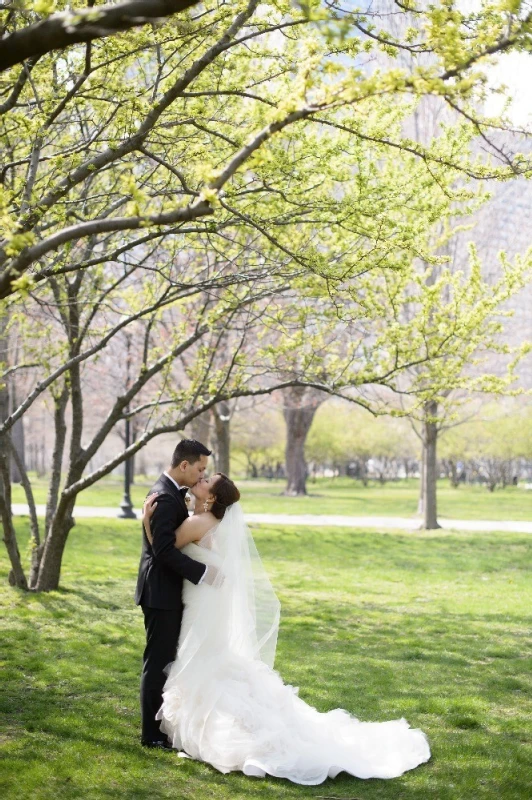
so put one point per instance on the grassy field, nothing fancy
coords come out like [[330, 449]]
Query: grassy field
[[339, 496], [430, 626]]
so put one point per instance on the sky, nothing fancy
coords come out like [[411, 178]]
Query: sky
[[514, 70]]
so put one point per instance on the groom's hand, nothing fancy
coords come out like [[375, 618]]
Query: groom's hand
[[213, 576]]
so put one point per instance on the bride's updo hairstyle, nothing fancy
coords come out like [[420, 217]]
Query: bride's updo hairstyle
[[225, 494]]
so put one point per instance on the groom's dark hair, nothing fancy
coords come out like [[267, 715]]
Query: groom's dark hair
[[189, 450]]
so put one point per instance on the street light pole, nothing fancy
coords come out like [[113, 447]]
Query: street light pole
[[126, 507]]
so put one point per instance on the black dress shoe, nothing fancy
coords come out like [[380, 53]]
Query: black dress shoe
[[159, 744]]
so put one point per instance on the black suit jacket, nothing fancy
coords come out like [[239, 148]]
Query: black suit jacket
[[162, 566]]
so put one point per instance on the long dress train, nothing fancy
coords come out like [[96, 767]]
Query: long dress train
[[224, 704]]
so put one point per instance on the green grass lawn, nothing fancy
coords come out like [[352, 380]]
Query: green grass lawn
[[345, 496], [339, 496], [432, 626]]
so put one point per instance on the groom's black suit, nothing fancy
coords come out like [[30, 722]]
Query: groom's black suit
[[160, 581]]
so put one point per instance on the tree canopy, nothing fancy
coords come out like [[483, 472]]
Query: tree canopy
[[224, 119], [227, 201]]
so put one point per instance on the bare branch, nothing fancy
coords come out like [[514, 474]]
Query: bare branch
[[46, 382], [229, 93], [179, 175], [17, 367], [19, 85]]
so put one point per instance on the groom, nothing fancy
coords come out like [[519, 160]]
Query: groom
[[161, 572]]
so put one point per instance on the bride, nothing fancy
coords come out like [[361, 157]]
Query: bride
[[223, 703]]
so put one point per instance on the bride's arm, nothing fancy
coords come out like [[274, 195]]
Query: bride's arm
[[191, 530]]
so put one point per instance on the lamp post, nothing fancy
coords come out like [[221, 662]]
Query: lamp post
[[126, 507]]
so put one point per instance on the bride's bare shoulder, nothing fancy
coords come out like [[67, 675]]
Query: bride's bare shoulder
[[202, 523], [195, 528]]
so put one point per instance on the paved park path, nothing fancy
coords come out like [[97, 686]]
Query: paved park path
[[315, 520]]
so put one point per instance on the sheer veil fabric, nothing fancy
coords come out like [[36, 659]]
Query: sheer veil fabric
[[224, 704]]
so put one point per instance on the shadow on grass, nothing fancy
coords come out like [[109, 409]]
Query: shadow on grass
[[364, 627]]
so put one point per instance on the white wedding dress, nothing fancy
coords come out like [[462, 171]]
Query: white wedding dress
[[225, 705]]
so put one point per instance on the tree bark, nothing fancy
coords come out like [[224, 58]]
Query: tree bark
[[36, 547], [252, 470], [60, 404], [363, 471], [17, 439], [83, 25], [59, 519], [222, 428], [54, 546], [16, 576], [430, 472], [452, 472], [300, 406], [17, 431], [421, 498], [200, 428]]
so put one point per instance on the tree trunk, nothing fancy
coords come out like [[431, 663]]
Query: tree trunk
[[60, 404], [36, 547], [421, 498], [16, 576], [133, 460], [454, 474], [430, 472], [296, 467], [200, 429], [59, 519], [54, 546], [17, 431], [222, 429], [17, 439], [252, 470], [299, 409]]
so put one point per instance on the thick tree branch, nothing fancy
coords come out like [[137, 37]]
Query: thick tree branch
[[18, 86], [134, 142], [83, 25], [197, 209]]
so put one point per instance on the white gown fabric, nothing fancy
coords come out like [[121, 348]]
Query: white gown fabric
[[225, 705]]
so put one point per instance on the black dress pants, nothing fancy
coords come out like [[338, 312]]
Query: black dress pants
[[162, 635]]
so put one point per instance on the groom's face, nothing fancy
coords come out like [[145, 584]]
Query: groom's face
[[191, 473]]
